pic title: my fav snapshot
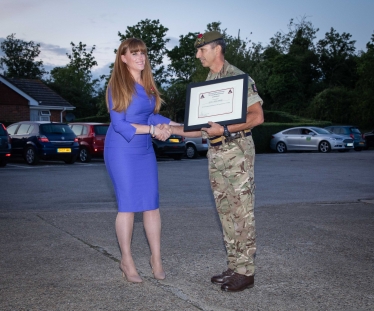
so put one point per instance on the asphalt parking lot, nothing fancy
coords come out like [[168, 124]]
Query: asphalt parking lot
[[314, 219]]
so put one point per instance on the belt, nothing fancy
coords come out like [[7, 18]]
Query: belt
[[219, 140]]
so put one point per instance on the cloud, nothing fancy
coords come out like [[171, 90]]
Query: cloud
[[55, 49], [172, 43]]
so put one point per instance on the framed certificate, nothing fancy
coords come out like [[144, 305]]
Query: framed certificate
[[223, 101]]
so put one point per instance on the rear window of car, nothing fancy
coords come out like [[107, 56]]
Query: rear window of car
[[101, 129], [55, 129], [355, 130], [77, 129]]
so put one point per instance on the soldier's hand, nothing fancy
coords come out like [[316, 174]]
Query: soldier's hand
[[215, 129]]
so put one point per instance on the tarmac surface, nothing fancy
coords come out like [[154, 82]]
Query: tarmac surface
[[59, 252]]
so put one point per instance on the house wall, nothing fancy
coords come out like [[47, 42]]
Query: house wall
[[56, 116], [13, 107]]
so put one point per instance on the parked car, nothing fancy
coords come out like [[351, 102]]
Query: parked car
[[45, 140], [369, 139], [91, 138], [5, 147], [174, 147], [309, 138], [351, 131], [195, 146]]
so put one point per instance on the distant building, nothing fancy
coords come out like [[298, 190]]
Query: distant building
[[30, 100]]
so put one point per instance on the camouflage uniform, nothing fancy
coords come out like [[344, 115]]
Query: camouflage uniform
[[231, 173]]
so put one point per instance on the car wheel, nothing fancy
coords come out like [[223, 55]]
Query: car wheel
[[177, 157], [31, 157], [3, 162], [84, 155], [191, 151], [71, 159], [324, 147], [281, 147]]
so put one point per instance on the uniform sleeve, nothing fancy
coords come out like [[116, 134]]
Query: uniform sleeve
[[253, 96], [119, 123], [155, 119]]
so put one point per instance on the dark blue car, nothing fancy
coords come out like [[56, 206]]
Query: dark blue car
[[35, 140], [351, 131], [5, 148]]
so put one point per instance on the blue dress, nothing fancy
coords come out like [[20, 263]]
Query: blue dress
[[130, 158]]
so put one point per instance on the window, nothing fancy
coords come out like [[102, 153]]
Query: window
[[292, 132], [11, 129], [23, 129], [101, 129], [77, 129], [55, 128]]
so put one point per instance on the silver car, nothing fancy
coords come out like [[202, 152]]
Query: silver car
[[309, 138], [195, 146]]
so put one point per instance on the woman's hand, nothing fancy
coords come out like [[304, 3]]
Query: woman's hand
[[162, 131]]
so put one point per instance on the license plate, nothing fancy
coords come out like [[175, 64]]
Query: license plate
[[361, 143], [63, 150], [349, 144], [174, 140]]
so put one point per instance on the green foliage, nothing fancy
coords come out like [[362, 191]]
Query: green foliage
[[323, 80], [363, 108], [153, 34], [19, 60], [75, 83], [174, 100], [337, 59], [332, 104], [182, 59]]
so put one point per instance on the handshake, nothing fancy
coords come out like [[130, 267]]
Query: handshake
[[162, 131]]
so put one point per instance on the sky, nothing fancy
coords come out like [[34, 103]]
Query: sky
[[54, 24]]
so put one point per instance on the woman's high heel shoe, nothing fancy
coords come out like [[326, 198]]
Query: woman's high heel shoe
[[131, 278], [158, 275]]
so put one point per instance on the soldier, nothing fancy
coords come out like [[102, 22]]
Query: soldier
[[231, 157]]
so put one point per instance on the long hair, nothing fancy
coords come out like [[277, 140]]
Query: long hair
[[122, 83]]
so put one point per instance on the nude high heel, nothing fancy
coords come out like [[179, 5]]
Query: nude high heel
[[131, 278], [157, 275]]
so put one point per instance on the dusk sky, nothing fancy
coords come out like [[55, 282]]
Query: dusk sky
[[54, 24]]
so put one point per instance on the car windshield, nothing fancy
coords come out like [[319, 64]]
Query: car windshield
[[101, 129], [55, 129], [320, 130]]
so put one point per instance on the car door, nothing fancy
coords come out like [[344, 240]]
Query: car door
[[19, 138], [292, 139], [308, 139]]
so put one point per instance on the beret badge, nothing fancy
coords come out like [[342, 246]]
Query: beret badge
[[200, 39]]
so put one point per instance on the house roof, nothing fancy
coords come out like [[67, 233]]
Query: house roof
[[40, 92]]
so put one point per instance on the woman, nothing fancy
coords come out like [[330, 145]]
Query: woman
[[133, 102]]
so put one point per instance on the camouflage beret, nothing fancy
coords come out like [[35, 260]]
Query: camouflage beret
[[206, 38]]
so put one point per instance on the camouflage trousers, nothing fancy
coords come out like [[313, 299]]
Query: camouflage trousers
[[231, 173]]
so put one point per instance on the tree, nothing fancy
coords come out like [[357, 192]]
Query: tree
[[182, 59], [337, 59], [282, 42], [174, 101], [363, 108], [153, 34], [75, 83], [19, 60]]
